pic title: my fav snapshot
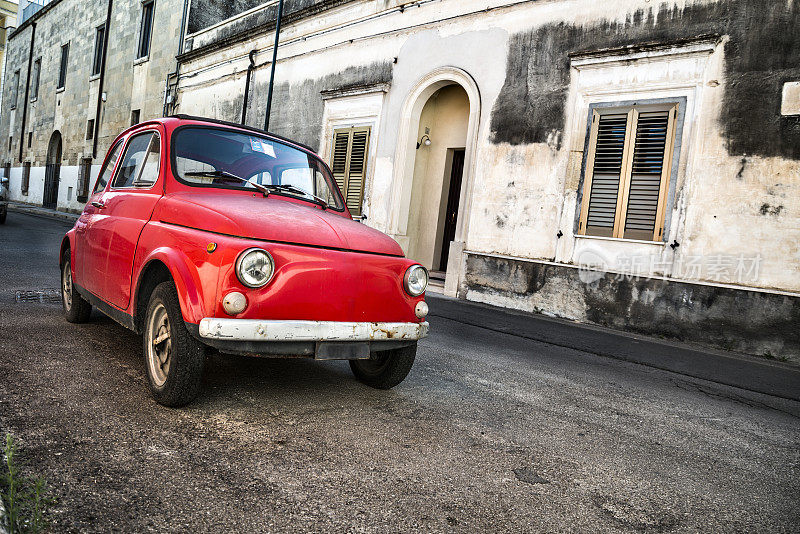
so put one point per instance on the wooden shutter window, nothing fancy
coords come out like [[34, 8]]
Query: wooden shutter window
[[341, 145], [629, 162], [606, 173], [349, 165], [646, 172]]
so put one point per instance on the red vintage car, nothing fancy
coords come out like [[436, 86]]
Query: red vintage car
[[201, 233]]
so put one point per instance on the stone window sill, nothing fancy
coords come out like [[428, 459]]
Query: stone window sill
[[621, 240], [60, 90], [141, 60], [94, 77]]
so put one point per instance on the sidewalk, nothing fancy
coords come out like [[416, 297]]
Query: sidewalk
[[39, 211], [769, 377]]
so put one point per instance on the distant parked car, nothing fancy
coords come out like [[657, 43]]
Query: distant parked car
[[3, 199], [201, 233]]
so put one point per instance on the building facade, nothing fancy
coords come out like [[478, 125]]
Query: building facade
[[8, 17], [619, 163], [56, 121]]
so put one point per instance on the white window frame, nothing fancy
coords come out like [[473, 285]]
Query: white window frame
[[354, 109]]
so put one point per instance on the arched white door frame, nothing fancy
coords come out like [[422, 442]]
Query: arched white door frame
[[405, 156]]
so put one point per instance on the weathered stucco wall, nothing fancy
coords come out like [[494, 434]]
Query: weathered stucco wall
[[760, 56], [242, 24], [737, 188]]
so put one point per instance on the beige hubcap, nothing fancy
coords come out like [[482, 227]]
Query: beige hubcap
[[66, 286], [159, 344]]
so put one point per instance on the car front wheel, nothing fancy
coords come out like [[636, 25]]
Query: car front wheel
[[385, 369], [76, 309], [174, 358]]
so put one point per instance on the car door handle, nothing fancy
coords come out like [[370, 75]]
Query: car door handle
[[98, 205]]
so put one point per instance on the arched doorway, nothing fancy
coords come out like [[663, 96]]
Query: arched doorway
[[438, 175], [52, 174], [450, 98]]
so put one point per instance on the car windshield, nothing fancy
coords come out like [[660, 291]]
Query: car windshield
[[228, 159]]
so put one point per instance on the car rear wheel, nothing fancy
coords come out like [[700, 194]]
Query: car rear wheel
[[174, 358], [76, 309], [385, 369]]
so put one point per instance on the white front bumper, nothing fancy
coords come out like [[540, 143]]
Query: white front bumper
[[258, 330]]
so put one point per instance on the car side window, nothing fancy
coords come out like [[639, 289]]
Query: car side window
[[140, 163], [108, 168], [149, 174]]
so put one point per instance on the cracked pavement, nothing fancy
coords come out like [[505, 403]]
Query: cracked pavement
[[490, 432]]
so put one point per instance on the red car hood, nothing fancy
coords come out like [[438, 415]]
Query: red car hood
[[272, 219]]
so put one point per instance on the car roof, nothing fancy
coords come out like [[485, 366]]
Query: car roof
[[194, 119]]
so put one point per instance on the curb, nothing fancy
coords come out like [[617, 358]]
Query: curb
[[773, 378], [39, 211]]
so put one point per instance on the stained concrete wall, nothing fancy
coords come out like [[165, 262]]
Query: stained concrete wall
[[747, 321]]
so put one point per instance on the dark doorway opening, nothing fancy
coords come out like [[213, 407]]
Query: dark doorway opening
[[451, 211], [52, 173]]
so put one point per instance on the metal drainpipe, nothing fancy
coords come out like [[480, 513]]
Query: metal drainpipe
[[250, 69], [177, 61], [102, 79], [274, 59], [27, 89]]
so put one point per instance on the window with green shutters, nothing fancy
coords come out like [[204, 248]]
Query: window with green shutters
[[349, 165], [627, 172]]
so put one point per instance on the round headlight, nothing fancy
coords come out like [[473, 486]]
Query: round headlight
[[416, 280], [254, 267]]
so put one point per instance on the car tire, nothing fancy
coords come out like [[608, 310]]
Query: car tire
[[76, 308], [174, 358], [385, 369]]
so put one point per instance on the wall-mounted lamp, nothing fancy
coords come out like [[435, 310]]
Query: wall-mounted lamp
[[424, 140]]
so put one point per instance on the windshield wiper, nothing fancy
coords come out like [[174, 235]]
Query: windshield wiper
[[225, 174], [295, 189]]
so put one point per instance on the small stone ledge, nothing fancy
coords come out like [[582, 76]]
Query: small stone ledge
[[747, 320]]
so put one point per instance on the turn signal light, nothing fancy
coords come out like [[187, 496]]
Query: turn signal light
[[234, 303]]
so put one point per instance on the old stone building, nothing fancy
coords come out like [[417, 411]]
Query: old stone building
[[56, 123], [627, 163], [8, 16]]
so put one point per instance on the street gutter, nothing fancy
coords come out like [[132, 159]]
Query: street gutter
[[39, 211], [768, 377]]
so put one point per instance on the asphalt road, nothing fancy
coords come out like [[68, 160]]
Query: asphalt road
[[490, 432]]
